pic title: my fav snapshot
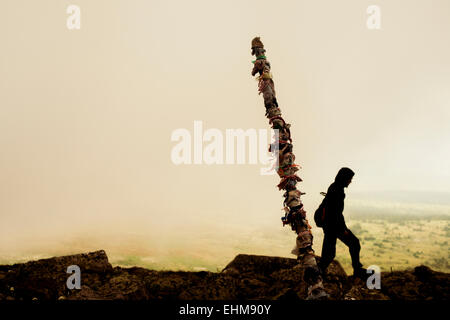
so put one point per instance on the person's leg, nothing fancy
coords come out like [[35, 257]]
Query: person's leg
[[328, 250], [352, 242]]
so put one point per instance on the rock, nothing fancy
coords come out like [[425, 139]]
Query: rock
[[359, 291], [423, 272], [46, 279], [85, 293], [245, 277], [421, 283], [244, 263], [287, 294]]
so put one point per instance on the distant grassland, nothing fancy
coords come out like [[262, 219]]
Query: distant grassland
[[401, 243], [396, 242]]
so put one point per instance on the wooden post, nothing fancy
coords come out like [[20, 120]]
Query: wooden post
[[295, 215]]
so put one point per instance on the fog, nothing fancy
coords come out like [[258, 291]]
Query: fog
[[86, 118]]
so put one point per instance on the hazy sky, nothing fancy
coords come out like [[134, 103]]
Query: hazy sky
[[86, 116]]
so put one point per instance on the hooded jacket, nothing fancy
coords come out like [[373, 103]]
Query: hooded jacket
[[334, 204]]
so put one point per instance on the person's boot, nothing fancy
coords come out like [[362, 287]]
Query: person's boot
[[360, 273]]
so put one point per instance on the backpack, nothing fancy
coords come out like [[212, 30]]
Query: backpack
[[319, 214]]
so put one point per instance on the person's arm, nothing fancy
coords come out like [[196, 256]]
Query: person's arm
[[330, 208], [340, 213], [334, 208], [341, 222]]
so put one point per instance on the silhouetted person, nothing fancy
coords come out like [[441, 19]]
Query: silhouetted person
[[334, 226]]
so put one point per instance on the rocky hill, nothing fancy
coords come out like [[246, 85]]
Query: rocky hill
[[246, 277]]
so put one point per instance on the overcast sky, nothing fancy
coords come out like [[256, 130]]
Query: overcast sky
[[86, 116]]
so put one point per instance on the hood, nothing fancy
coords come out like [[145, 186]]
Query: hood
[[343, 176]]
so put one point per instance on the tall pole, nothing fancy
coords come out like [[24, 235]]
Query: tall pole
[[295, 215]]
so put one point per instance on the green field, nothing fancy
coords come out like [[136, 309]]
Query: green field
[[391, 241], [401, 244]]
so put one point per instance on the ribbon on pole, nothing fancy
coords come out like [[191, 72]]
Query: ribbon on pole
[[295, 215]]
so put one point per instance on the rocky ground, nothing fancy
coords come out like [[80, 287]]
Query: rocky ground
[[246, 277]]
